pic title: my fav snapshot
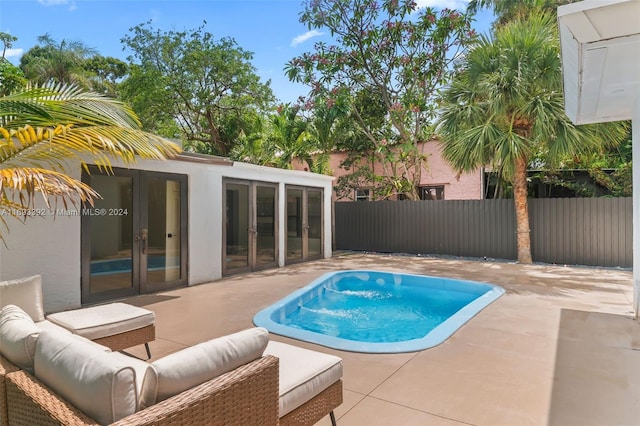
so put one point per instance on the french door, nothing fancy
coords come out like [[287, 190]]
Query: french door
[[250, 232], [304, 224], [134, 239]]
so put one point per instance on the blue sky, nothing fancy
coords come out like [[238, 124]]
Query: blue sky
[[268, 28]]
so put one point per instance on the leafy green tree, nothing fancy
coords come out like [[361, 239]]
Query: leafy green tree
[[148, 98], [59, 61], [105, 73], [363, 156], [43, 129], [11, 77], [618, 157], [203, 85], [399, 54], [505, 105]]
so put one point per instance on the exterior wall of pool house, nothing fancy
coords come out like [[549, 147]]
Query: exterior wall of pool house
[[600, 48], [52, 245]]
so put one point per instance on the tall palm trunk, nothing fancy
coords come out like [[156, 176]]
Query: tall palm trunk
[[523, 240]]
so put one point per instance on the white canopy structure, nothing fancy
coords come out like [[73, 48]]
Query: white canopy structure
[[600, 42]]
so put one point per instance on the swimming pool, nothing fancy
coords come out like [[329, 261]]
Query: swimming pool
[[377, 312]]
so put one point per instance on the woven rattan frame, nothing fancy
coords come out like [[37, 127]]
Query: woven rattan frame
[[5, 368], [118, 342], [316, 408], [247, 395]]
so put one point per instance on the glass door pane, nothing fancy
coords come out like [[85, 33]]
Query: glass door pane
[[314, 222], [294, 224], [134, 238], [265, 226], [111, 256], [237, 226], [161, 244]]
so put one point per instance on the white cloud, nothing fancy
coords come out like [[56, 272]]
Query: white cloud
[[443, 4], [72, 4], [304, 37], [11, 53], [53, 2]]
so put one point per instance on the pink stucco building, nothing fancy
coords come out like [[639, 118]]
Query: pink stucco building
[[439, 180]]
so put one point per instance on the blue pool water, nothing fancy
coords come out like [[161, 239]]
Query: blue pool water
[[377, 312], [111, 266]]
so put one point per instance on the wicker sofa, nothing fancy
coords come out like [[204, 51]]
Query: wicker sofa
[[51, 376], [247, 395]]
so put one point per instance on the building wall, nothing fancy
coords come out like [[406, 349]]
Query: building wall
[[50, 246], [465, 186]]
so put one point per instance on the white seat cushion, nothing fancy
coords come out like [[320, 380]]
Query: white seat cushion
[[105, 320], [25, 293], [98, 383], [48, 325], [197, 364], [303, 373], [18, 335]]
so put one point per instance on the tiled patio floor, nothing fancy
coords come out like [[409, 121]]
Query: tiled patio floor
[[561, 347]]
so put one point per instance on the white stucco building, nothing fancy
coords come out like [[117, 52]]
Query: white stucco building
[[600, 42], [165, 224]]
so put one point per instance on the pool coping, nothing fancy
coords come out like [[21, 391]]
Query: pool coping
[[435, 337]]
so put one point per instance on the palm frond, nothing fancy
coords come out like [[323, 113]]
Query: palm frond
[[57, 146], [54, 104], [44, 130], [18, 187]]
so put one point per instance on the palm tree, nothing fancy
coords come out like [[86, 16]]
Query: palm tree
[[44, 130], [509, 10], [62, 62], [7, 42], [253, 144], [506, 103], [287, 135], [326, 128]]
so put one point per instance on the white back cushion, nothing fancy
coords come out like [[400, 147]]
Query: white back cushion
[[192, 366], [99, 384], [18, 335], [25, 293], [47, 325]]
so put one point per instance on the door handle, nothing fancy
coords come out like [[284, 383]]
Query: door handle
[[144, 233], [145, 240]]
